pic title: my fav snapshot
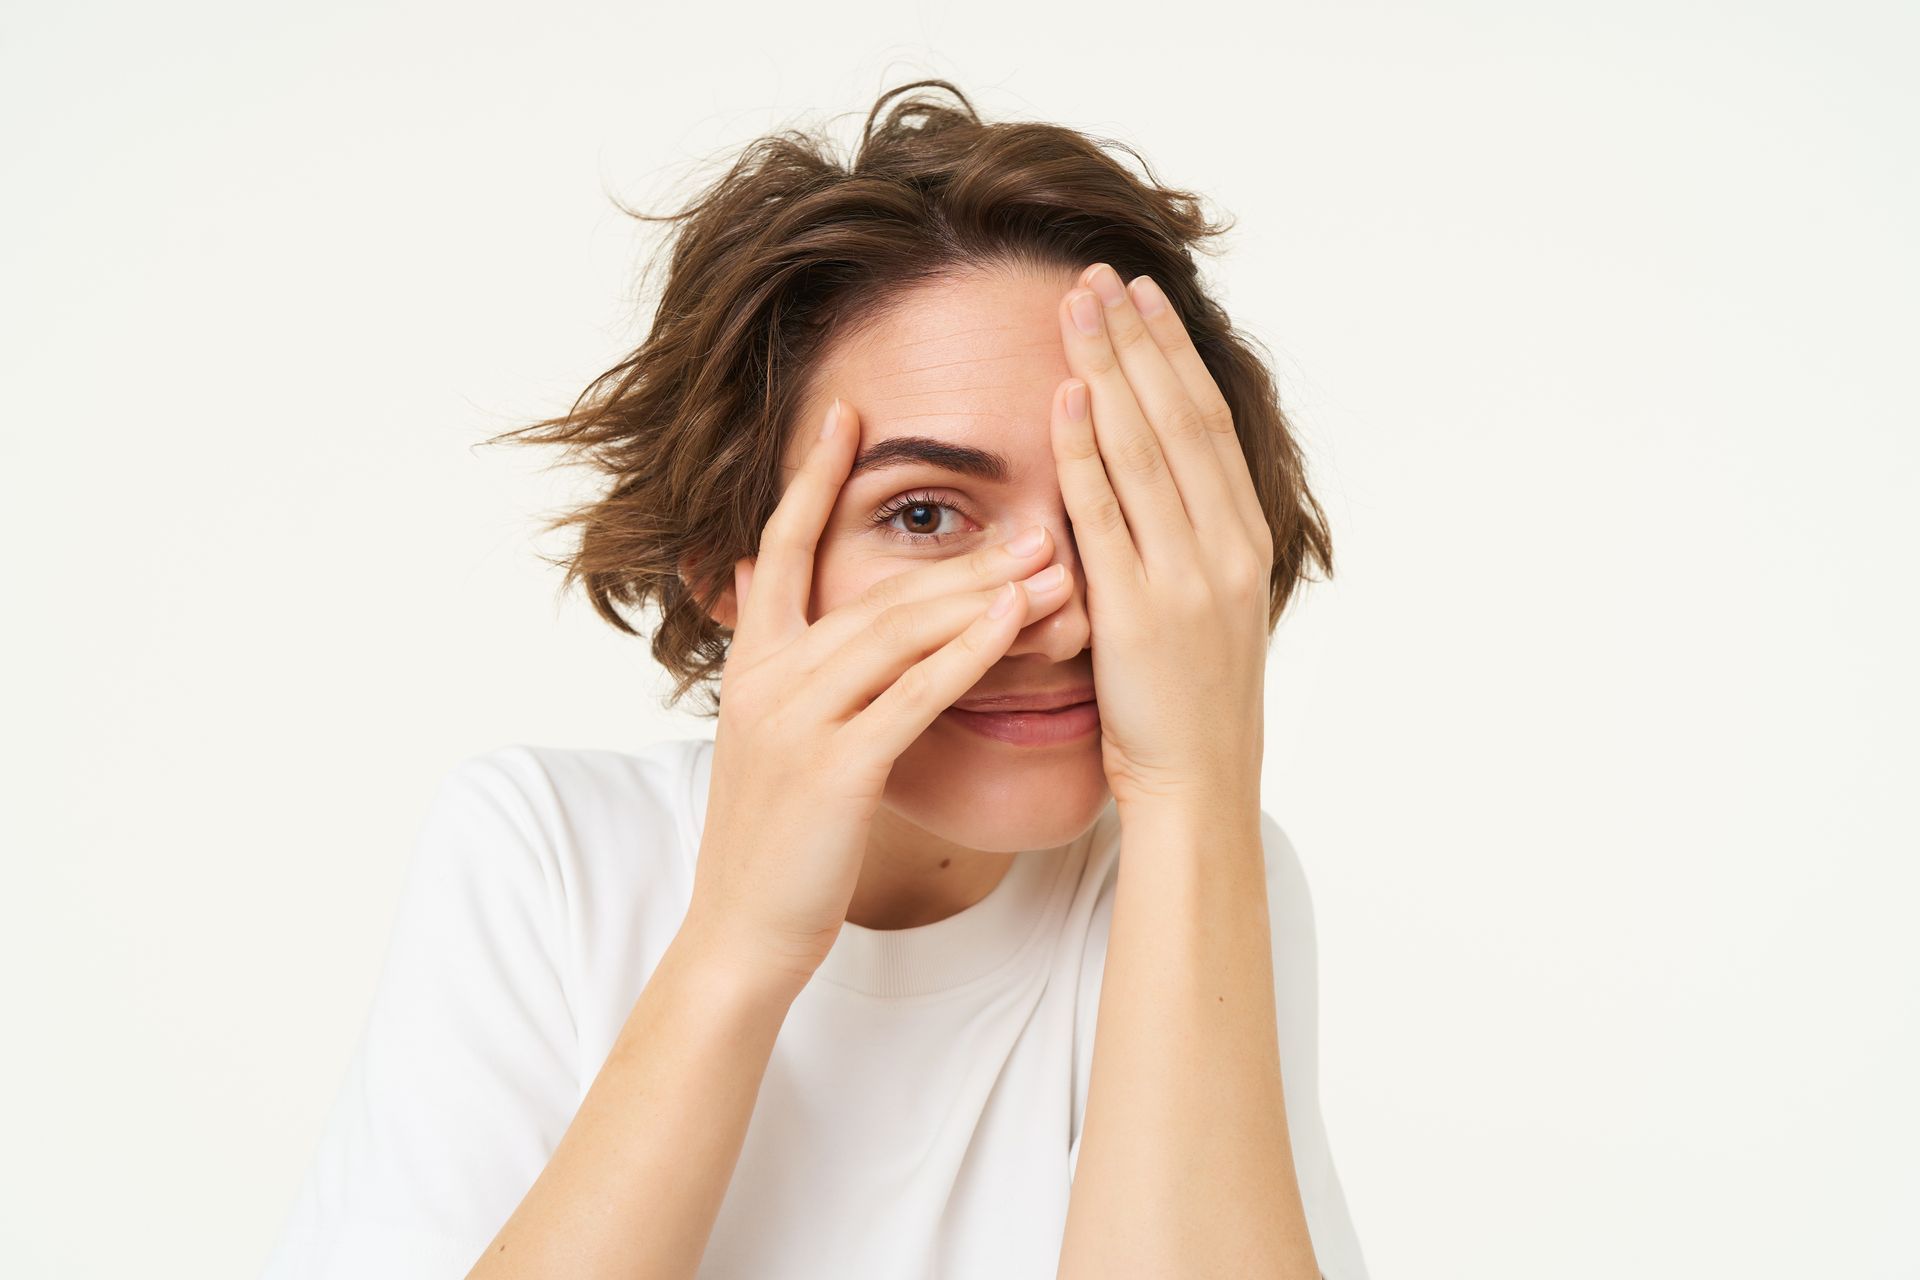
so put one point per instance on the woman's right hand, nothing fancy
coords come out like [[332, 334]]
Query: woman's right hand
[[813, 715]]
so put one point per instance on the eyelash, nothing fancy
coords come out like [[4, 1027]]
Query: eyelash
[[886, 513]]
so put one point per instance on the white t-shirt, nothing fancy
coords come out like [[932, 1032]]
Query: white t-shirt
[[920, 1115]]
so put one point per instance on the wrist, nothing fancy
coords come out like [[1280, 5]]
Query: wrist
[[735, 968], [1214, 812]]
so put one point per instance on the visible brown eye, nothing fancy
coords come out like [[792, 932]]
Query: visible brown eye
[[917, 509]]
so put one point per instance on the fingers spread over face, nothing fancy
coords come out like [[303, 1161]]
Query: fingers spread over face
[[982, 571], [1104, 543], [1179, 425], [1175, 342], [1136, 465]]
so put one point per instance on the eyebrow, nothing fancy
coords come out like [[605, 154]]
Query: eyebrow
[[901, 451]]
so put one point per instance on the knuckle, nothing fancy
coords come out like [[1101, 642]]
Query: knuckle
[[884, 594], [1079, 446], [1128, 329], [1242, 575], [1168, 333], [775, 530], [787, 537], [892, 626], [1099, 359], [973, 641], [989, 565], [913, 683], [1106, 517], [1185, 421], [1217, 414], [1140, 456]]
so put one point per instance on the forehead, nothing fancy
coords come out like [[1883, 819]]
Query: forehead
[[964, 358]]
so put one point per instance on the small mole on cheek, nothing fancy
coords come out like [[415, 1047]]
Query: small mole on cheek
[[944, 863]]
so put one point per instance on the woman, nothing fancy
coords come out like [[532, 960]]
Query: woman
[[943, 463]]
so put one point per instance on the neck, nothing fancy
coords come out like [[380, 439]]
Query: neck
[[911, 877]]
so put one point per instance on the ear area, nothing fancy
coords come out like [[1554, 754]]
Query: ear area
[[723, 608]]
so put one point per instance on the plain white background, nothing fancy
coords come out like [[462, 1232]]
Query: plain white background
[[1596, 320]]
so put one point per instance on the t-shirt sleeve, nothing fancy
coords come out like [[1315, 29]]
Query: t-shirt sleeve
[[1296, 981], [466, 1072]]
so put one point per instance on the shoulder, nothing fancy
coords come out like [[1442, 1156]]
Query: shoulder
[[564, 810], [545, 790], [575, 776]]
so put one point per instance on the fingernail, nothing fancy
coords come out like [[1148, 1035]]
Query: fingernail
[[1027, 543], [1003, 602], [833, 419], [1086, 312], [1077, 401], [1147, 296], [1106, 283], [1048, 579]]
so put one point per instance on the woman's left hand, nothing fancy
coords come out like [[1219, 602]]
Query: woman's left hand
[[1176, 550]]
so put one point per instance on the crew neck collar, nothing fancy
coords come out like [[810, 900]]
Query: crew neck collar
[[963, 948]]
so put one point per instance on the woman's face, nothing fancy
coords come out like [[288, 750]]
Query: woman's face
[[971, 363]]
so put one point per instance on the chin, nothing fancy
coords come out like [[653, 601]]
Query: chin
[[995, 797]]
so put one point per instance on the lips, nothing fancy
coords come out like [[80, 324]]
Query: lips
[[1075, 722], [1031, 700]]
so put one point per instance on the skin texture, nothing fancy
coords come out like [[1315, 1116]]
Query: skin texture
[[976, 360]]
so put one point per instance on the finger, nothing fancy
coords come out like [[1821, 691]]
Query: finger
[[777, 609], [1099, 525], [1176, 343], [1176, 420], [910, 703], [980, 570], [886, 652], [1156, 519]]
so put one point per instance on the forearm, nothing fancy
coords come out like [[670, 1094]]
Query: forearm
[[1185, 1165], [635, 1183]]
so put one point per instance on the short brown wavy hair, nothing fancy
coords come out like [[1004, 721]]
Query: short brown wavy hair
[[792, 248]]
